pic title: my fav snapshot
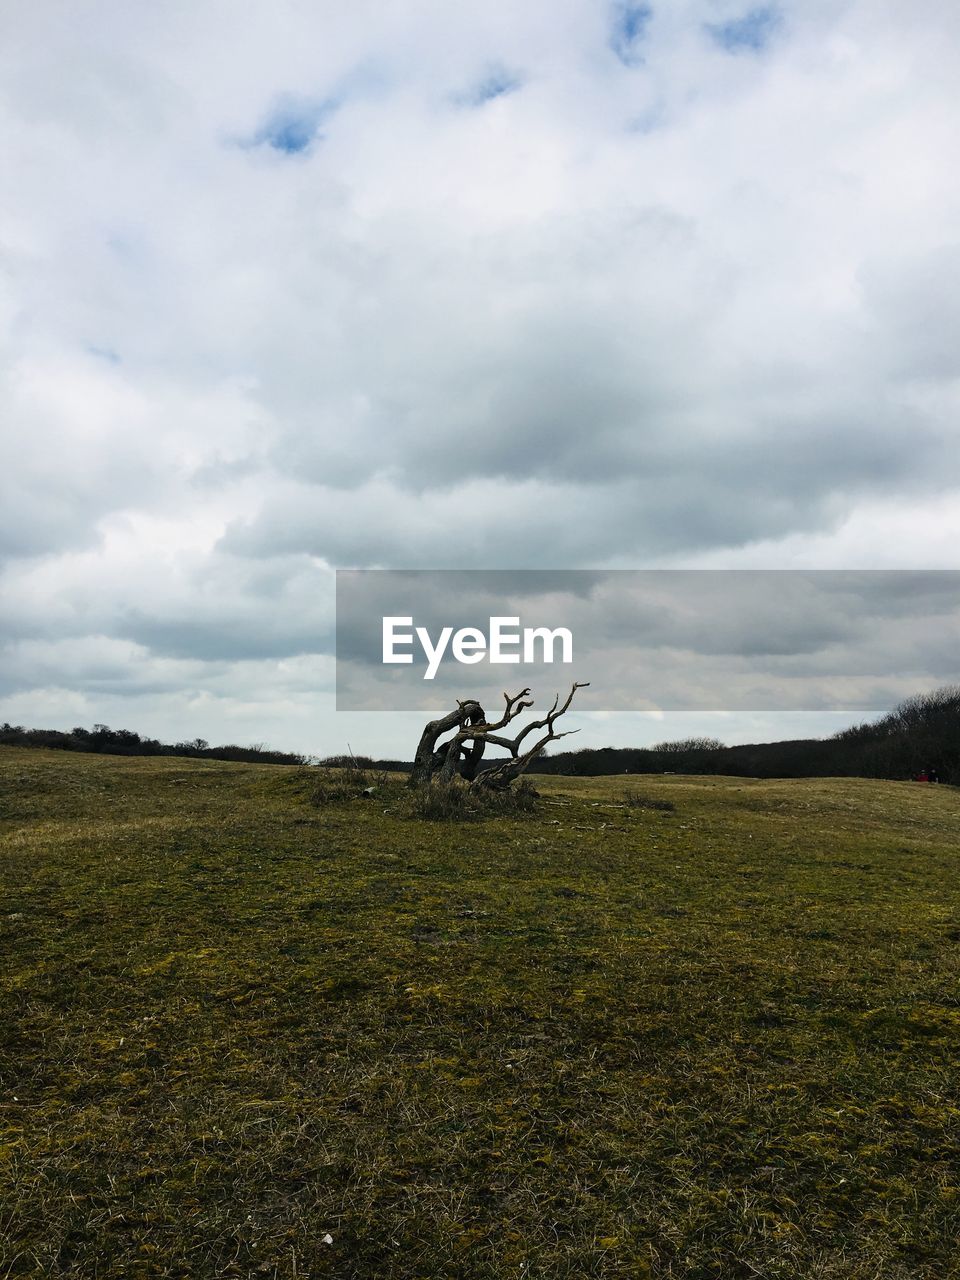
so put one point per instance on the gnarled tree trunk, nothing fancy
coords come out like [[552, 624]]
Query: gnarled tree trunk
[[462, 753]]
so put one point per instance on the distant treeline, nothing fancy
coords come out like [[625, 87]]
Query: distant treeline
[[124, 742], [921, 735]]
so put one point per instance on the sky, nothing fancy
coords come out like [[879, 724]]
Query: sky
[[290, 287]]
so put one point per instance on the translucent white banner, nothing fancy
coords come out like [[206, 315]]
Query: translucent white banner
[[647, 639]]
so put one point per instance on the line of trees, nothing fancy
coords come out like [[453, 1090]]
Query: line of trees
[[124, 742], [920, 734]]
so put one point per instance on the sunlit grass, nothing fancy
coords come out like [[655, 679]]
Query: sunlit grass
[[604, 1039]]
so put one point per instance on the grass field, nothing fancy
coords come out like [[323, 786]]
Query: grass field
[[604, 1039]]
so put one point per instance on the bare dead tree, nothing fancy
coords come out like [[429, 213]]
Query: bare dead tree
[[461, 754]]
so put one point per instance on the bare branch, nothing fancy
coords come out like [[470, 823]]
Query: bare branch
[[452, 758], [515, 706]]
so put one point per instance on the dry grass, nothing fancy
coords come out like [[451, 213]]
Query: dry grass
[[608, 1040]]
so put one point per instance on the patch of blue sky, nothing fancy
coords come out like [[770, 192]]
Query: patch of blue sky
[[649, 120], [293, 124], [128, 243], [629, 22], [497, 84], [106, 354], [750, 33]]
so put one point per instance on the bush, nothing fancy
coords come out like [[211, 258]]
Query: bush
[[456, 802], [349, 782], [634, 800], [348, 761]]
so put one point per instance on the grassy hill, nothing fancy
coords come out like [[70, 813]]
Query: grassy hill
[[606, 1039]]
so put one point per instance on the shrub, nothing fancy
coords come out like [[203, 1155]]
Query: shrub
[[350, 782], [455, 802], [634, 800]]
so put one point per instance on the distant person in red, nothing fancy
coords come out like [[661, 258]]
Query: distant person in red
[[923, 776]]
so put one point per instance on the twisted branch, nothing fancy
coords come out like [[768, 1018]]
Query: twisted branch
[[452, 758]]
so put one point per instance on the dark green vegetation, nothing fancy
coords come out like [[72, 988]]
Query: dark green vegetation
[[102, 740], [921, 733], [603, 1039]]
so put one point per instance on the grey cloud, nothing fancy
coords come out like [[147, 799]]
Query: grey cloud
[[224, 638], [914, 306], [226, 613], [213, 608], [529, 524], [565, 389], [526, 333]]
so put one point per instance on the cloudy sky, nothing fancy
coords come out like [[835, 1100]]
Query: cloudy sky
[[289, 286]]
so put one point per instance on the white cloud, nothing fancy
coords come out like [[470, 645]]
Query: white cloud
[[700, 308]]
